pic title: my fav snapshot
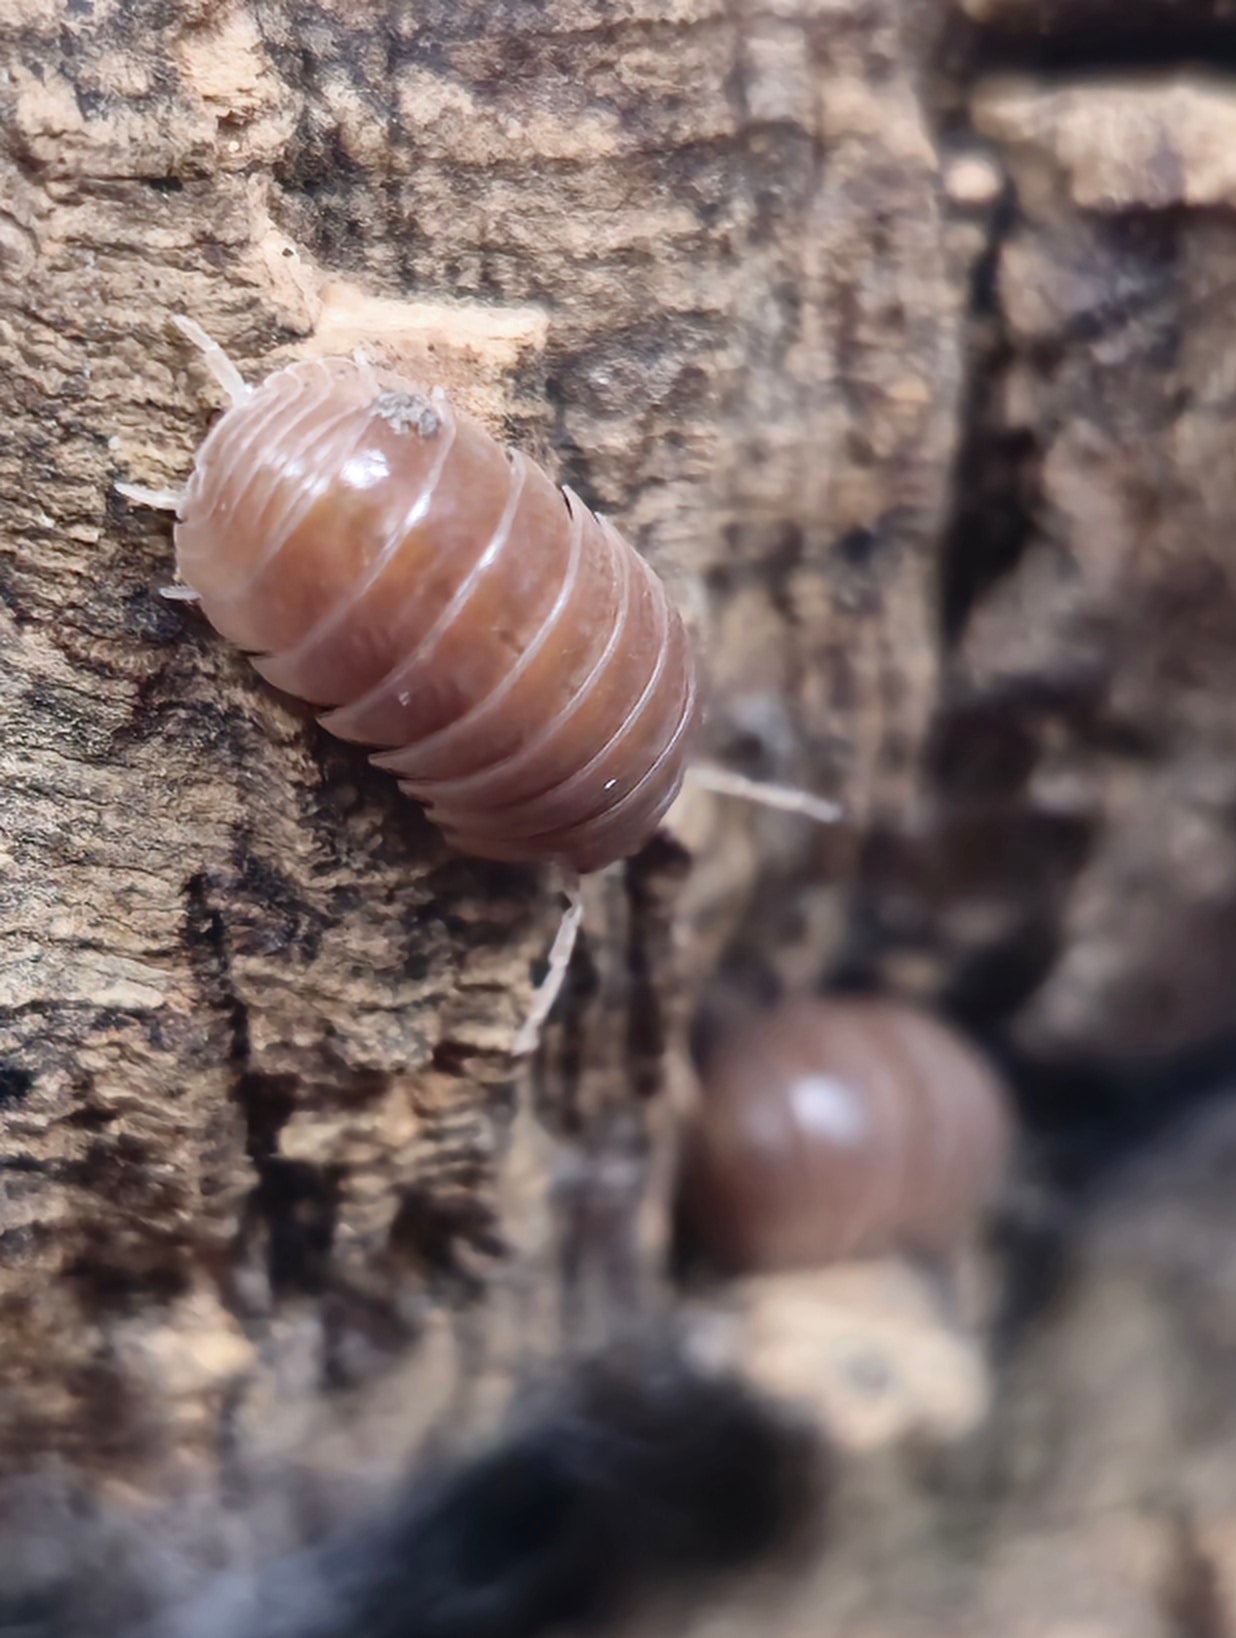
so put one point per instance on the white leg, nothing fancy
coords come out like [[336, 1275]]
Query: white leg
[[163, 500], [364, 364], [710, 777], [559, 961], [215, 359]]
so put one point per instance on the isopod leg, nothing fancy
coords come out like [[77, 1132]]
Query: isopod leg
[[560, 953], [162, 500], [215, 360], [364, 364], [787, 798]]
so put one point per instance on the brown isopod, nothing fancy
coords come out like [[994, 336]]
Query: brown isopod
[[518, 665], [839, 1128]]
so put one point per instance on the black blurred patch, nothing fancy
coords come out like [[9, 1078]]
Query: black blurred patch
[[633, 1479]]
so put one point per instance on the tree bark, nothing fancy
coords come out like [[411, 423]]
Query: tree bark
[[258, 1099], [913, 380]]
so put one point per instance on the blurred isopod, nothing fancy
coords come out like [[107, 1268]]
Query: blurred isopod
[[521, 669], [838, 1128]]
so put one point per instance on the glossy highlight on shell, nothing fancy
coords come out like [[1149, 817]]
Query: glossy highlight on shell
[[842, 1128], [519, 667]]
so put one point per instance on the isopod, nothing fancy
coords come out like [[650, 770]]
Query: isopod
[[510, 657], [841, 1127]]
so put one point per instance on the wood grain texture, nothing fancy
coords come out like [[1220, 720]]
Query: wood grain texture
[[257, 1106], [259, 1134], [1072, 873]]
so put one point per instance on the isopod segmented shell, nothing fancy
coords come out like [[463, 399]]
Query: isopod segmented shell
[[519, 666], [838, 1128]]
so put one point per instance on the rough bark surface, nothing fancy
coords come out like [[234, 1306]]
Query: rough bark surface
[[257, 1083], [1074, 873], [897, 336]]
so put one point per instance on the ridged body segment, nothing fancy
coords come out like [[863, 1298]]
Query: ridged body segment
[[840, 1128], [518, 666]]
